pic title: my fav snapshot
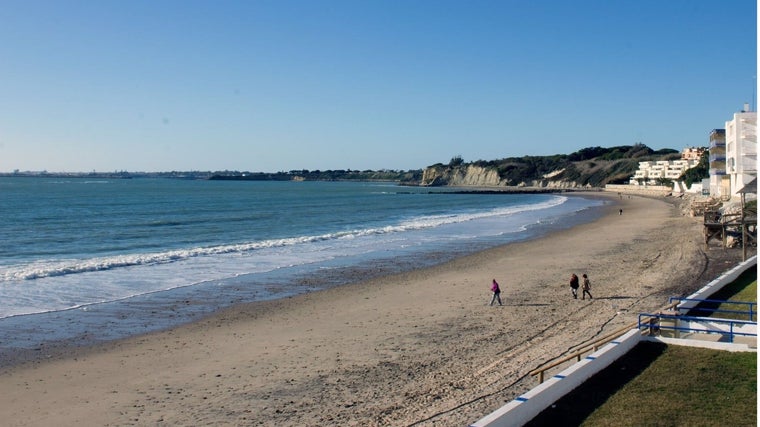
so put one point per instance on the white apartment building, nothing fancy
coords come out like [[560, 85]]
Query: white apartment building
[[741, 150], [649, 171]]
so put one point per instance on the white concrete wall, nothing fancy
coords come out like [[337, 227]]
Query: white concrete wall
[[527, 406], [644, 190], [712, 345]]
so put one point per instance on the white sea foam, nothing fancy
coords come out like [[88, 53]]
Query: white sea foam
[[60, 284], [42, 269]]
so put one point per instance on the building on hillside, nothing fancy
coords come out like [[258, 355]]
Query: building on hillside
[[720, 184], [693, 153], [653, 173], [741, 150]]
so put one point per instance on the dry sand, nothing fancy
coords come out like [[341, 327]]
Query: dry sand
[[419, 348]]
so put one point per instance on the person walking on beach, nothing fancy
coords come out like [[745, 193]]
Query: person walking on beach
[[496, 292], [574, 285], [586, 287]]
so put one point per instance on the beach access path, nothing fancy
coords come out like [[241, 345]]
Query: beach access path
[[417, 348]]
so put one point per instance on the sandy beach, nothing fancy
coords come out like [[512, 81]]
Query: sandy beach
[[418, 348]]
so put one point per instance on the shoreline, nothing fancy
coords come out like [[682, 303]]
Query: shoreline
[[391, 350]]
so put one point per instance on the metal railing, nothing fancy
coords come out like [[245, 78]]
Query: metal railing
[[751, 306], [654, 323]]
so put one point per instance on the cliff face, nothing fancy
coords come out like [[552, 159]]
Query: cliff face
[[463, 176], [477, 176]]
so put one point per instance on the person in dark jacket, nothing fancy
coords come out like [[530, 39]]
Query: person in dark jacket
[[574, 285]]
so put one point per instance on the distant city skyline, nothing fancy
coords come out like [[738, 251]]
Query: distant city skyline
[[273, 86]]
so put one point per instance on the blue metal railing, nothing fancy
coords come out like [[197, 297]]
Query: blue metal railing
[[653, 322], [751, 310]]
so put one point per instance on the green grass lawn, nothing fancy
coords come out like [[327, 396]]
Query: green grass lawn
[[685, 386], [744, 288], [668, 385], [660, 385]]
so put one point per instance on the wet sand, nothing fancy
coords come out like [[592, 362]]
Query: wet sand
[[417, 348]]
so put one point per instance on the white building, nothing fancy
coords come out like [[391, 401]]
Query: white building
[[741, 150], [649, 172], [720, 184]]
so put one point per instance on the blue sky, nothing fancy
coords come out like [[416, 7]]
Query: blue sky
[[283, 85]]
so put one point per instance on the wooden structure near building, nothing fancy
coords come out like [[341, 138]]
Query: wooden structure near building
[[715, 227], [719, 226]]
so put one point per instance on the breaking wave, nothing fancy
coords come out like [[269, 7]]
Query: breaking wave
[[42, 269]]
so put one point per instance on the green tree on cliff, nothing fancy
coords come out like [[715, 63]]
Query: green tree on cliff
[[456, 161], [697, 173]]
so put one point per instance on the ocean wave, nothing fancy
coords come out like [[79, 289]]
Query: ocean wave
[[42, 269]]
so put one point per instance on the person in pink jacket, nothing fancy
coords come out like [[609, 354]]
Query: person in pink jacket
[[496, 292]]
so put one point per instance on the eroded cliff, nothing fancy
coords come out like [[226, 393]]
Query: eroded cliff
[[477, 176]]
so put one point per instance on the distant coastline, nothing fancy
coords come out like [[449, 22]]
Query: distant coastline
[[401, 178], [107, 175], [588, 168], [411, 176], [368, 176]]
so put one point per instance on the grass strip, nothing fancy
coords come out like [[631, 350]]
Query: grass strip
[[659, 385], [744, 289]]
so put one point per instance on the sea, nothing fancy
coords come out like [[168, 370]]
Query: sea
[[91, 260]]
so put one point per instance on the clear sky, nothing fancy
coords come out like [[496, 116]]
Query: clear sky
[[279, 85]]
